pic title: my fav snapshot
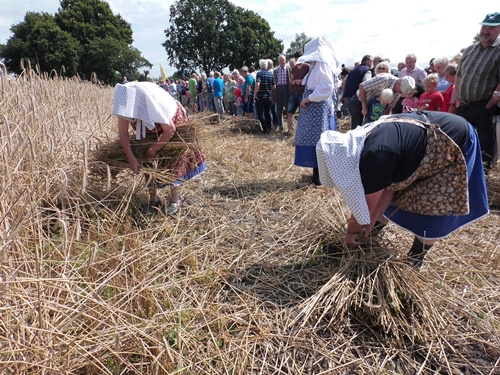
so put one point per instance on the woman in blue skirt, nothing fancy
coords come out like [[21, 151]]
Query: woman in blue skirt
[[317, 112], [421, 170]]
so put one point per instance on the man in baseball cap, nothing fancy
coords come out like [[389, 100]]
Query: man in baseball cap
[[492, 19], [476, 82]]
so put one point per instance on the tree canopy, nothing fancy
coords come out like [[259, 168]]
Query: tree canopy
[[84, 36], [298, 44], [214, 34]]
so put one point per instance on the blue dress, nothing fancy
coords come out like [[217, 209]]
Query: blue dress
[[316, 118]]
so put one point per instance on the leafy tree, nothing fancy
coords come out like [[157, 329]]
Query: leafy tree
[[214, 34], [84, 36], [249, 38], [105, 39], [41, 41], [298, 44]]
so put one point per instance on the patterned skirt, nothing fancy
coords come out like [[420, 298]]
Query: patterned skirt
[[435, 227], [316, 118], [192, 162]]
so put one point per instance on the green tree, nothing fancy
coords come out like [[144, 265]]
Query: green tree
[[84, 36], [41, 41], [213, 34], [298, 44], [105, 39], [249, 38]]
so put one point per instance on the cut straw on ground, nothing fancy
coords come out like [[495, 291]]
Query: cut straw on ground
[[250, 278]]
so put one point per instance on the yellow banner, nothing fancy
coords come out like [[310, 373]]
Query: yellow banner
[[163, 76]]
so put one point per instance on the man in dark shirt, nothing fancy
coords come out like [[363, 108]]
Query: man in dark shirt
[[264, 85], [359, 74]]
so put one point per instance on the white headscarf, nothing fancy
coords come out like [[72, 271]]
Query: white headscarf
[[338, 162], [320, 49], [144, 102]]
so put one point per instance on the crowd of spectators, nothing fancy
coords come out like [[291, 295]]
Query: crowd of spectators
[[364, 93]]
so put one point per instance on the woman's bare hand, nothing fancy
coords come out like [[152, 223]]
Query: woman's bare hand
[[135, 166], [350, 239]]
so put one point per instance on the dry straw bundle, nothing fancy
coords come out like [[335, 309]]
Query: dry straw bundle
[[242, 281], [374, 287], [164, 169]]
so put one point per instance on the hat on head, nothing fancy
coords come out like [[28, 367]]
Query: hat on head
[[492, 19], [320, 49], [407, 84]]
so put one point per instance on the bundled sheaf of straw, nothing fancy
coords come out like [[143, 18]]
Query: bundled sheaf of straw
[[89, 286], [183, 146], [372, 284]]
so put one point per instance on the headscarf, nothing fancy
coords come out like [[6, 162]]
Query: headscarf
[[145, 103], [320, 49]]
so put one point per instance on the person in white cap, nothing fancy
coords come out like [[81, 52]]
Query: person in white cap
[[151, 110], [373, 87], [423, 171]]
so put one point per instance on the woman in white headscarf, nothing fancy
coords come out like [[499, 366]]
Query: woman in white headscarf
[[319, 101], [422, 171], [150, 110]]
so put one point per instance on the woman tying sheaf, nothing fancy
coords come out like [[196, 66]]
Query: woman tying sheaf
[[154, 114], [422, 171]]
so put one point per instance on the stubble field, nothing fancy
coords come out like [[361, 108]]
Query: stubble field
[[250, 278]]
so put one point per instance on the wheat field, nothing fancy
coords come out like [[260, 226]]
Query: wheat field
[[250, 278]]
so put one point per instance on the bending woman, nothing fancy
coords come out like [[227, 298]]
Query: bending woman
[[422, 171], [151, 110]]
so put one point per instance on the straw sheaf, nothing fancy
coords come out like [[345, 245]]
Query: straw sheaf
[[250, 278], [183, 145]]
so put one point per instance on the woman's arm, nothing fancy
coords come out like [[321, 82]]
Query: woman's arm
[[125, 142], [165, 136], [377, 204]]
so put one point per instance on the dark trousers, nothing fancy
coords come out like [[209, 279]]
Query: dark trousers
[[281, 102], [274, 115], [398, 108], [263, 107], [353, 105], [482, 120]]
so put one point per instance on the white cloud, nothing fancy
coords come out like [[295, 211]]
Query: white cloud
[[355, 28]]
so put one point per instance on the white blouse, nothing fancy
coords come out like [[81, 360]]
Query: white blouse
[[321, 80]]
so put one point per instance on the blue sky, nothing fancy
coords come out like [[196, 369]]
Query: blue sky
[[354, 28]]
